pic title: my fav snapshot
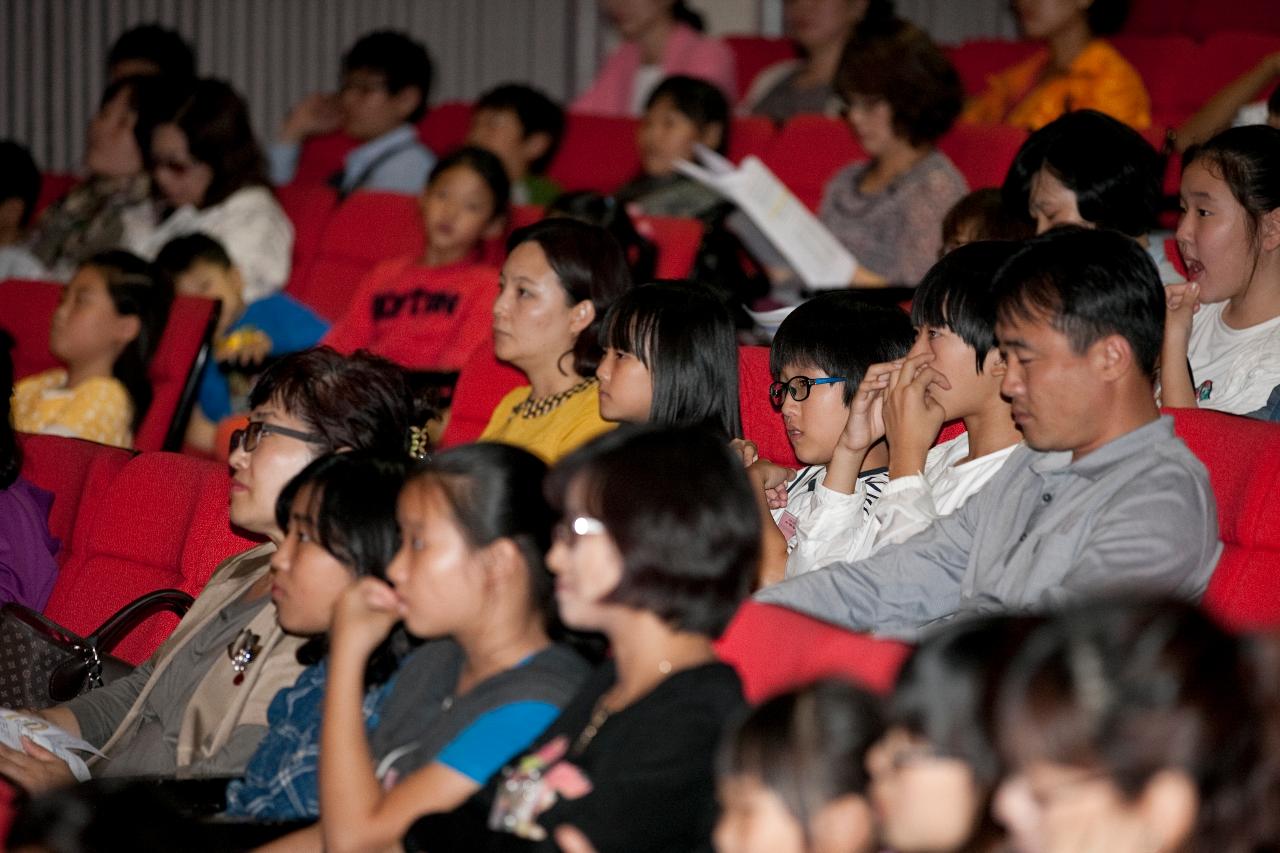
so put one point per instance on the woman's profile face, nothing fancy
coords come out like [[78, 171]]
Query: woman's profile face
[[1052, 204], [533, 323], [112, 149], [182, 178], [586, 563], [258, 476]]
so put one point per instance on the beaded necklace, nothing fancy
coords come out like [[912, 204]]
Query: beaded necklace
[[532, 408]]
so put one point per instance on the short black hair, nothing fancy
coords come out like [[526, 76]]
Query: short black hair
[[689, 554], [1273, 102], [485, 164], [902, 66], [701, 102], [1107, 16], [19, 177], [842, 334], [684, 334], [1114, 172], [1088, 284], [957, 294], [985, 212], [398, 58], [536, 113], [153, 100], [182, 253], [164, 48]]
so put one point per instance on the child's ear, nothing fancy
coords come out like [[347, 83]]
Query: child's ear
[[994, 364], [406, 101], [712, 135], [1269, 230], [535, 145], [126, 328]]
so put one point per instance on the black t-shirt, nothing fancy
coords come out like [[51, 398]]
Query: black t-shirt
[[650, 769]]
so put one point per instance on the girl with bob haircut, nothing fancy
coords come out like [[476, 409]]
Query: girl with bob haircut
[[1134, 727], [660, 572], [1225, 322], [211, 178], [792, 776], [469, 578], [339, 520], [560, 278], [105, 330], [670, 358]]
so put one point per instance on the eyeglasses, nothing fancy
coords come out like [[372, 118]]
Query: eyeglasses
[[798, 387], [568, 531], [253, 433]]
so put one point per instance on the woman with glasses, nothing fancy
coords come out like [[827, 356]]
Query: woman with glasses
[[198, 706], [211, 178], [659, 571]]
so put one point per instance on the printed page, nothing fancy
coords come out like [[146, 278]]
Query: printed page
[[15, 725]]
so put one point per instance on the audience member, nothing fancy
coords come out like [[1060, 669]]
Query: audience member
[[660, 38], [524, 128], [151, 50], [953, 372], [659, 571], [792, 777], [339, 519], [246, 335], [560, 278], [682, 113], [818, 360], [1234, 105], [104, 332], [982, 215], [195, 708], [430, 313], [19, 191], [1103, 499], [27, 550], [209, 170], [595, 208], [670, 358], [1076, 70], [386, 80], [1222, 333], [819, 30]]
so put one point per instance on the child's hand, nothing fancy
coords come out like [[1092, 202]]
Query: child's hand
[[912, 417], [364, 615], [1181, 302], [245, 347], [865, 425], [317, 113], [772, 479], [746, 450]]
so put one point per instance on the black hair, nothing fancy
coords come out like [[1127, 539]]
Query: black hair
[[879, 18], [1273, 102], [19, 178], [684, 334], [1087, 284], [1114, 172], [697, 100], [595, 208], [352, 401], [589, 264], [136, 288], [689, 554], [164, 48], [215, 121], [485, 164], [901, 65], [957, 294], [1247, 160], [182, 253], [682, 14], [10, 452], [402, 61], [990, 218], [536, 113], [806, 746], [152, 99], [1107, 16], [841, 334], [352, 510], [1134, 689]]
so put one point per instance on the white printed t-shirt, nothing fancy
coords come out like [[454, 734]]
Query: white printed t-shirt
[[1233, 369]]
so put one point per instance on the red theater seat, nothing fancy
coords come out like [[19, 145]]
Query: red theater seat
[[677, 240], [753, 54], [1158, 17], [1206, 18], [321, 156], [750, 135], [482, 383], [309, 207], [598, 153], [445, 127], [761, 422], [982, 153], [53, 186], [808, 151], [1168, 65], [978, 59]]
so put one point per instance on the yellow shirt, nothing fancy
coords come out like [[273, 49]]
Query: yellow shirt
[[563, 429], [99, 409], [1099, 79]]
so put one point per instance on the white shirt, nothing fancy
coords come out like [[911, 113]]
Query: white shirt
[[249, 223], [837, 532], [1234, 369], [807, 498]]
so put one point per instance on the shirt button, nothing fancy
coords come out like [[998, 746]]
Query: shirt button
[[1046, 497], [1022, 538]]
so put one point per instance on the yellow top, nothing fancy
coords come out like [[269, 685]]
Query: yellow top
[[99, 409], [1027, 95], [563, 429]]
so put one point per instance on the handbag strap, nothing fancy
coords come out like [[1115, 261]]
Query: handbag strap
[[132, 614]]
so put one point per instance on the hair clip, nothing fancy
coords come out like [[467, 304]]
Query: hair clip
[[418, 445]]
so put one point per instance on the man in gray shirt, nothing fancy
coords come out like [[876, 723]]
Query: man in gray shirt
[[1104, 499]]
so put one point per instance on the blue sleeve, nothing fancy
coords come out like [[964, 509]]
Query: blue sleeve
[[291, 325], [214, 395], [496, 737], [282, 161]]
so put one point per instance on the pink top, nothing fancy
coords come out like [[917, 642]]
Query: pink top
[[687, 52]]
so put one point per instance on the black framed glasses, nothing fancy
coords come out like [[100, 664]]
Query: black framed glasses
[[249, 437], [798, 387]]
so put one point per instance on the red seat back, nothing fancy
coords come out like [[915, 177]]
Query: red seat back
[[28, 310], [1225, 56], [1206, 19], [761, 422], [309, 207], [482, 383], [978, 59], [808, 151], [598, 153], [445, 127], [1168, 67], [750, 135], [323, 155], [982, 153], [753, 54], [677, 239], [1158, 17], [53, 186]]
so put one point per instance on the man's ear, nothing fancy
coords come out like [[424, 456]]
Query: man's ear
[[406, 101], [1112, 357], [583, 313]]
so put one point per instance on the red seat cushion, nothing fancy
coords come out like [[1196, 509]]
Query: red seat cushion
[[750, 135], [482, 383], [1168, 67], [1206, 18], [598, 153], [808, 151], [445, 126], [323, 155], [309, 207], [677, 239], [981, 153]]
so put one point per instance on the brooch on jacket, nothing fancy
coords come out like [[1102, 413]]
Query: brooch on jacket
[[243, 650]]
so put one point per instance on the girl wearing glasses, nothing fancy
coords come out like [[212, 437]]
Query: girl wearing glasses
[[211, 177], [198, 707], [659, 571]]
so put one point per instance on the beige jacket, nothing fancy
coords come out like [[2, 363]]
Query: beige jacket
[[219, 705]]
